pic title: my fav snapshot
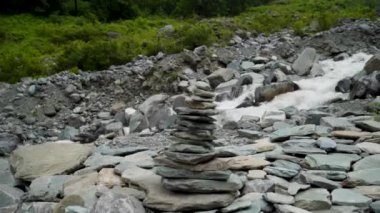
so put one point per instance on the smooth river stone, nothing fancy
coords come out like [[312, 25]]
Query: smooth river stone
[[172, 173], [190, 148], [203, 85], [187, 111], [189, 158], [217, 164], [233, 184], [165, 200], [338, 162]]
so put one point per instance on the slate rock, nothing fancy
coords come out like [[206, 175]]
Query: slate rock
[[369, 125], [281, 172], [375, 206], [31, 162], [305, 61], [365, 177], [313, 199], [9, 195], [47, 188], [172, 173], [278, 198], [6, 176], [8, 143], [258, 185], [339, 162], [371, 148], [319, 181], [331, 175], [369, 162], [113, 202], [350, 198], [290, 209], [326, 144]]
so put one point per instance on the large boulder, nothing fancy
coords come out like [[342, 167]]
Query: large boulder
[[30, 162], [366, 85], [373, 64], [305, 61], [268, 92], [219, 76]]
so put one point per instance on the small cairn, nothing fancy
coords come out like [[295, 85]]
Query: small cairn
[[183, 163]]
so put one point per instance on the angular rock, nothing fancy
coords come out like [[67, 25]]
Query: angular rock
[[258, 185], [8, 143], [236, 206], [278, 198], [350, 149], [369, 162], [233, 184], [9, 196], [281, 172], [31, 162], [287, 164], [256, 174], [339, 162], [219, 76], [164, 200], [326, 144], [301, 147], [305, 61], [141, 159], [284, 134], [331, 175], [47, 188], [290, 209], [337, 123], [313, 199], [233, 151], [350, 198], [6, 176], [375, 206], [171, 173], [365, 177], [78, 184], [369, 125], [189, 158], [114, 202], [108, 178], [373, 64], [371, 148], [268, 92], [350, 134], [251, 134], [98, 161], [319, 181]]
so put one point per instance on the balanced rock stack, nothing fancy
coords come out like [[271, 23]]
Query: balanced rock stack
[[187, 165]]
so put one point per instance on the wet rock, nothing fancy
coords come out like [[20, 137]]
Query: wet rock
[[31, 162], [350, 198], [344, 85], [305, 61], [313, 199], [373, 64], [219, 76], [267, 93]]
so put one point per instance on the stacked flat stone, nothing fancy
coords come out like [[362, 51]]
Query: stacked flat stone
[[192, 146]]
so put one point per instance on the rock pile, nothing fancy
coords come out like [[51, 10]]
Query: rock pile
[[193, 145]]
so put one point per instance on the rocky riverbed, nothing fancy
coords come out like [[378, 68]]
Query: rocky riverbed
[[93, 141]]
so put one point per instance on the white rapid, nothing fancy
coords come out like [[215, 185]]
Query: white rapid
[[313, 91]]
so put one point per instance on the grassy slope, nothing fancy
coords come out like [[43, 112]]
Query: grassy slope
[[33, 46]]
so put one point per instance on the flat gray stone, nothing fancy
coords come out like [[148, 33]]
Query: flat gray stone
[[287, 164], [47, 188], [142, 159], [281, 172], [284, 134], [369, 125], [375, 206], [114, 202], [369, 191], [219, 76], [350, 198], [331, 175], [278, 198], [98, 161], [164, 200], [31, 162], [189, 158], [319, 181], [350, 149], [172, 173], [326, 144], [365, 177], [9, 195], [8, 143], [313, 199], [371, 148], [294, 187], [337, 123], [233, 151], [256, 174], [301, 147], [339, 162], [6, 176], [233, 184], [290, 209], [370, 162], [191, 148], [119, 151], [236, 206], [76, 209], [251, 134]]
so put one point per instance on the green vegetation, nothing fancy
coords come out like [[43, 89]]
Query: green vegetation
[[37, 45]]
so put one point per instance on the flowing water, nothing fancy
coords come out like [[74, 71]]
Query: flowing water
[[313, 92]]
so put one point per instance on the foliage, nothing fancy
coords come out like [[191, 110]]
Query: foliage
[[38, 46]]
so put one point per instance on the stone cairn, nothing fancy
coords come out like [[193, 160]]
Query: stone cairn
[[183, 163]]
